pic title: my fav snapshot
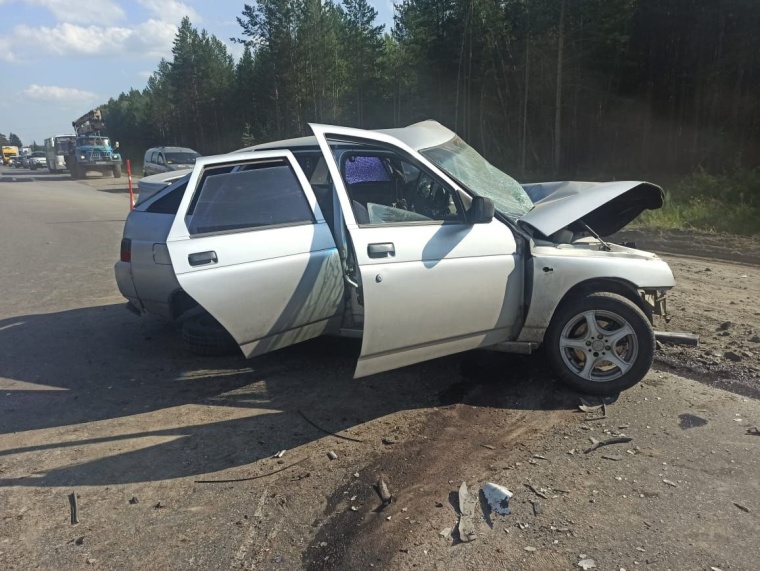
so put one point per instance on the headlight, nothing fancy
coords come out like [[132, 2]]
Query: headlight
[[82, 157]]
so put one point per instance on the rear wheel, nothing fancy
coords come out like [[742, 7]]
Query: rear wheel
[[600, 343], [74, 170], [204, 335]]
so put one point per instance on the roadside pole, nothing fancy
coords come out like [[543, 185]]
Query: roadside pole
[[131, 193]]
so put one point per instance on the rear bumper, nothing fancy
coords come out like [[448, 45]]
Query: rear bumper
[[123, 274]]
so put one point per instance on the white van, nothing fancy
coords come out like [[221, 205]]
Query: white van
[[166, 159]]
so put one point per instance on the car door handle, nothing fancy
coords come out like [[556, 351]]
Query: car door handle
[[385, 250], [202, 258]]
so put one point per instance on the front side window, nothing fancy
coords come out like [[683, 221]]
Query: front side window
[[262, 195], [388, 188]]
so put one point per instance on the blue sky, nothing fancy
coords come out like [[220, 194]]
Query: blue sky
[[59, 58]]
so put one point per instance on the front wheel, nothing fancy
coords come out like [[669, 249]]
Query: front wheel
[[117, 171], [600, 343]]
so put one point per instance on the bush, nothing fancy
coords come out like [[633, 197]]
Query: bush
[[717, 203]]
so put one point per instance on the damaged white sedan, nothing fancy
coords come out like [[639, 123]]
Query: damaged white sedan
[[411, 240]]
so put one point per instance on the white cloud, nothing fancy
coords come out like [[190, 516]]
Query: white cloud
[[144, 74], [170, 10], [79, 12], [151, 39], [58, 94]]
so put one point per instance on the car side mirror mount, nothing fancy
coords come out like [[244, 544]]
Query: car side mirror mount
[[481, 210]]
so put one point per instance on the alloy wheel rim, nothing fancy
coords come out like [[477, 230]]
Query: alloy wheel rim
[[599, 345]]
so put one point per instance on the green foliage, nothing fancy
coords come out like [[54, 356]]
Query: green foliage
[[14, 140], [620, 88], [720, 203]]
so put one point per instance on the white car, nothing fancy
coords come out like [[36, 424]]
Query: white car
[[407, 238], [36, 160]]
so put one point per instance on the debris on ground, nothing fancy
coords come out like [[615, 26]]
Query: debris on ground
[[587, 564], [529, 548], [590, 408], [388, 441], [74, 508], [598, 444], [670, 483], [497, 497], [133, 500], [79, 540], [755, 431], [159, 506], [741, 507], [536, 508], [536, 491], [489, 446], [315, 425], [280, 454], [332, 455], [466, 514], [446, 532], [593, 411], [382, 490]]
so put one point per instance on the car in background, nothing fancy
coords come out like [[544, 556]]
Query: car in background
[[167, 159], [407, 238], [37, 160], [15, 161]]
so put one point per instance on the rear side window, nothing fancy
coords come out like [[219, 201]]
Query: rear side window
[[262, 195]]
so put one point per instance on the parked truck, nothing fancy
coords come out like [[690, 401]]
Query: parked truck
[[92, 150]]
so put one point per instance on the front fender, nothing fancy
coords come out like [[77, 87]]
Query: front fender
[[558, 269]]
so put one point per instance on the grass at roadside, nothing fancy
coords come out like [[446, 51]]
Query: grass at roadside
[[717, 203]]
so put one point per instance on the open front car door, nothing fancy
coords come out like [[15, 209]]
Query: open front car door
[[432, 281], [250, 245]]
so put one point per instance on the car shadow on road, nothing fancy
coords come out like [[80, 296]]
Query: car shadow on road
[[95, 377]]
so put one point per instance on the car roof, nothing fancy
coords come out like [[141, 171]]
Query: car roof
[[172, 149], [422, 135]]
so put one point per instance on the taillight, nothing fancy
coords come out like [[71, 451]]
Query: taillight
[[126, 250]]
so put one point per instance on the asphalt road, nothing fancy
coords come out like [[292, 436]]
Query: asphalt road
[[98, 402]]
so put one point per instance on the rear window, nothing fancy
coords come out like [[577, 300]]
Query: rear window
[[262, 195], [169, 203]]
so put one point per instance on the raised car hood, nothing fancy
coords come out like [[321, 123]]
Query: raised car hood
[[605, 207]]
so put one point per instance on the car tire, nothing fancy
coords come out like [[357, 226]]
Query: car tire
[[117, 171], [74, 172], [205, 336], [587, 332]]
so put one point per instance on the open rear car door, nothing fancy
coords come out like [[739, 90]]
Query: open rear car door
[[250, 245]]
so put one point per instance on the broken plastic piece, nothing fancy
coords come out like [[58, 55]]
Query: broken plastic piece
[[383, 491], [497, 497], [587, 564], [466, 514]]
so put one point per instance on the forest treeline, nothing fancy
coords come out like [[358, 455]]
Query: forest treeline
[[598, 88]]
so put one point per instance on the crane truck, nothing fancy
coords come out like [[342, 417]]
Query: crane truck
[[92, 149]]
